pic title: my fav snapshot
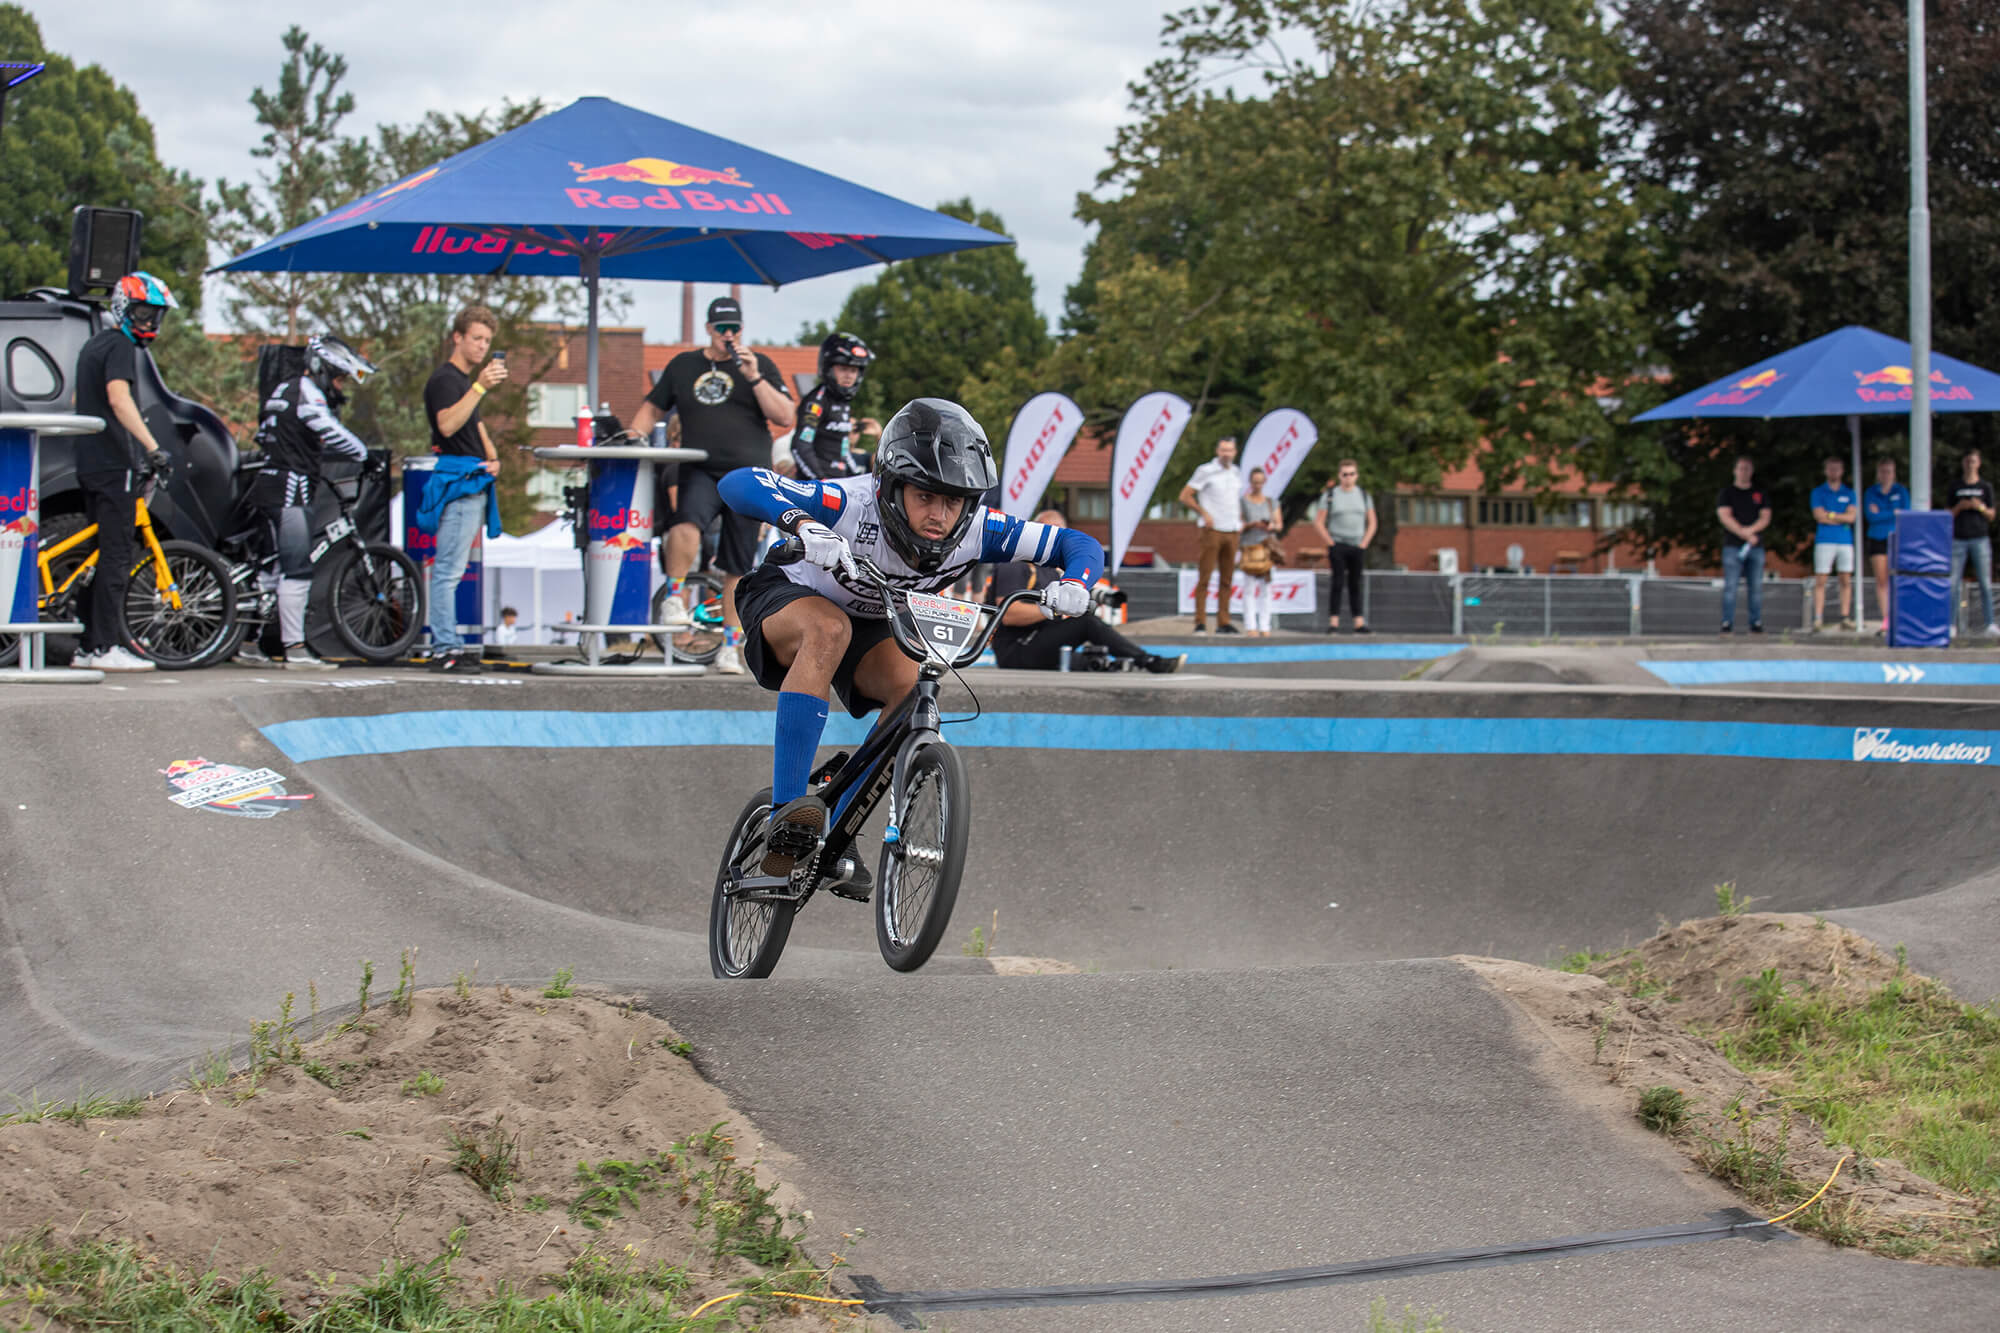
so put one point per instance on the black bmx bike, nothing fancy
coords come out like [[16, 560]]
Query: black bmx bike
[[906, 759]]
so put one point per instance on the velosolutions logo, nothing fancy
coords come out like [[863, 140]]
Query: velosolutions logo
[[1879, 745]]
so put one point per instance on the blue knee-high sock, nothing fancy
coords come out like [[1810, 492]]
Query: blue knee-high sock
[[801, 721]]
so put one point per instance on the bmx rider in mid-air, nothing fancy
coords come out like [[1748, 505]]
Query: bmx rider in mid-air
[[814, 625]]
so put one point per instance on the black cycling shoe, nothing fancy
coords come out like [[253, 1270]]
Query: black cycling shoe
[[1161, 665], [1227, 629], [457, 664], [848, 878], [794, 834]]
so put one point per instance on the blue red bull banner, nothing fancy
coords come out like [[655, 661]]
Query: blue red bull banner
[[618, 562], [20, 522]]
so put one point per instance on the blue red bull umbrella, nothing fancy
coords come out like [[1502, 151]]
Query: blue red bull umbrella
[[601, 190], [1850, 372]]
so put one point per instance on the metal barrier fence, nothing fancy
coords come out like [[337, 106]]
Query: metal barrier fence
[[1534, 605]]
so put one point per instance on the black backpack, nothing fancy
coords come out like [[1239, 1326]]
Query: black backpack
[[276, 363]]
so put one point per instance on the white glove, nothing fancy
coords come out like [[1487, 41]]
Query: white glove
[[1065, 597], [825, 547]]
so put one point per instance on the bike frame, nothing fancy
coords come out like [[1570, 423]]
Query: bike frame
[[143, 522]]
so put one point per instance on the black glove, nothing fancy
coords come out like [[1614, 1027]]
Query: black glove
[[159, 467]]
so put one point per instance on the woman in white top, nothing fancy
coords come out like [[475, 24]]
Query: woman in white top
[[1263, 522]]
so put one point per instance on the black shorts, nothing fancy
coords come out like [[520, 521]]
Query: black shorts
[[768, 592], [700, 503], [1873, 546]]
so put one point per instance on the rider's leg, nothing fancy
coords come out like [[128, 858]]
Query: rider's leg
[[294, 538], [681, 546], [808, 637]]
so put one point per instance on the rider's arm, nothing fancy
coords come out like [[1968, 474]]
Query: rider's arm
[[783, 503], [1010, 538], [313, 410], [126, 408]]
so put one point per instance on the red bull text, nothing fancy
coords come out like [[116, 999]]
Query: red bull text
[[1898, 384]]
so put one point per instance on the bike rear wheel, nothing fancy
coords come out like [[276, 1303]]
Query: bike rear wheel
[[920, 870], [700, 643], [745, 937], [376, 600], [199, 630]]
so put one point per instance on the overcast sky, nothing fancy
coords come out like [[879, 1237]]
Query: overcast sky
[[1013, 102]]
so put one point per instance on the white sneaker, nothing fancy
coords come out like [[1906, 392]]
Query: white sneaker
[[729, 661], [115, 658], [674, 614], [298, 657], [251, 655], [1992, 631]]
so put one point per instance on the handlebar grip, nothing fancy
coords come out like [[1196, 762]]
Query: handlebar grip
[[788, 552]]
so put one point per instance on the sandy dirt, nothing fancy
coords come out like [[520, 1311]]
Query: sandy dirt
[[311, 1183], [1610, 1039]]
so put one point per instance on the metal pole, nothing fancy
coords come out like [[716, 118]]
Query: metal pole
[[590, 263], [1920, 269], [1860, 527]]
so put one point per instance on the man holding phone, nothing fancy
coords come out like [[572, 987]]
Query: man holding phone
[[728, 397], [467, 463]]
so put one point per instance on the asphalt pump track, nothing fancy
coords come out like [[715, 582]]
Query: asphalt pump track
[[1271, 1097]]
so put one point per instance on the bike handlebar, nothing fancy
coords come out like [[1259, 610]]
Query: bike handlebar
[[792, 550]]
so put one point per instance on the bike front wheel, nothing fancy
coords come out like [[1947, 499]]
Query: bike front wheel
[[920, 869], [745, 936], [376, 598], [188, 620]]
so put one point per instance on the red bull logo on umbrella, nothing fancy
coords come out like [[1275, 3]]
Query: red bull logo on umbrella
[[1742, 391], [669, 182], [381, 197], [1894, 384]]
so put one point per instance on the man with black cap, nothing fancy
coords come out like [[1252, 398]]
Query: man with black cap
[[728, 397]]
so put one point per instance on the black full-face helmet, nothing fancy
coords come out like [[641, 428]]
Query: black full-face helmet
[[934, 445], [843, 349]]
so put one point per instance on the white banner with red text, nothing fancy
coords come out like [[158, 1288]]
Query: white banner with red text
[[1146, 440], [1292, 593], [1278, 444], [1042, 433]]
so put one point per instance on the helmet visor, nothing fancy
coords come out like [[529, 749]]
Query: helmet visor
[[948, 467], [144, 317]]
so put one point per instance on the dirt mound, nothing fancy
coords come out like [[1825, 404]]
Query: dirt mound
[[312, 1183], [1626, 1044]]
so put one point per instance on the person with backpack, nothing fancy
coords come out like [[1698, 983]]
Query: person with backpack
[[1344, 518], [300, 425]]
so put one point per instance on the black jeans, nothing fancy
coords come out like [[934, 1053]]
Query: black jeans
[[1040, 648], [111, 501], [1345, 563]]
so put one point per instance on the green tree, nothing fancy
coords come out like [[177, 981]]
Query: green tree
[[75, 136], [1412, 231], [1776, 133], [935, 323], [302, 144]]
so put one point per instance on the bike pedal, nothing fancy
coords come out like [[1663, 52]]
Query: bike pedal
[[826, 771]]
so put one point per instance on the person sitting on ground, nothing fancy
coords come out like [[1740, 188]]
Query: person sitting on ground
[[508, 631], [1027, 640]]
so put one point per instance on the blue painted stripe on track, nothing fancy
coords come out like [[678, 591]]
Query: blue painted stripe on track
[[308, 739], [1211, 654], [1806, 670]]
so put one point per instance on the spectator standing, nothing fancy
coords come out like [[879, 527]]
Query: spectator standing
[[1879, 505], [725, 393], [1027, 640], [467, 464], [1972, 536], [1263, 523], [1344, 518], [1834, 511], [1745, 511], [112, 465], [1215, 493]]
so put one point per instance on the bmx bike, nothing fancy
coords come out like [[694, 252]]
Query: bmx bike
[[904, 758], [375, 593]]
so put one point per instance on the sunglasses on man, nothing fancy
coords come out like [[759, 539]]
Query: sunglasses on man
[[729, 328]]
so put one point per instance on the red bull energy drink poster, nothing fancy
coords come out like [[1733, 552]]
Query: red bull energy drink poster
[[422, 548], [617, 564], [20, 524]]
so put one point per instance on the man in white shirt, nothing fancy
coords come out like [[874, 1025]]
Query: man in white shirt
[[1215, 493]]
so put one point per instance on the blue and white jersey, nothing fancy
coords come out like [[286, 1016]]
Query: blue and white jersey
[[851, 507]]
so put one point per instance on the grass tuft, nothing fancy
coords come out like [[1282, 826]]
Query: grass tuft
[[491, 1160], [560, 988]]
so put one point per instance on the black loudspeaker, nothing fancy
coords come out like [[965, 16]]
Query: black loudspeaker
[[103, 247]]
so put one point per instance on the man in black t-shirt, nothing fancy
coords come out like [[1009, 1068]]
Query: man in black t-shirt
[[1745, 511], [1028, 640], [725, 395], [468, 463], [1972, 536], [112, 465]]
